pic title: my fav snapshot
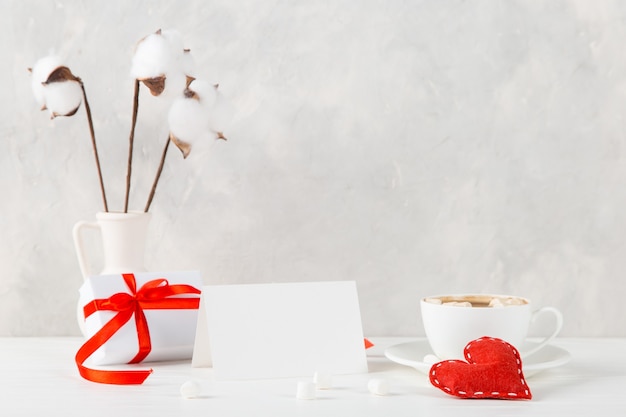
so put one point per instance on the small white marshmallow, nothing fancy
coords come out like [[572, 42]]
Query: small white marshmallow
[[306, 390], [431, 359], [512, 301], [190, 389], [496, 302], [322, 380], [378, 386], [458, 303]]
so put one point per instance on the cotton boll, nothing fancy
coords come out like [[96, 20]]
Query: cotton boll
[[218, 112], [162, 63], [63, 98], [186, 119], [152, 57], [40, 72], [188, 124]]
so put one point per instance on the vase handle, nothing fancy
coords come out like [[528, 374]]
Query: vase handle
[[77, 231]]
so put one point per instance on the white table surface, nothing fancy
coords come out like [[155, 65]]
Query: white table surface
[[38, 376]]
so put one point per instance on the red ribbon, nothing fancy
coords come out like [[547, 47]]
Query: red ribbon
[[153, 295]]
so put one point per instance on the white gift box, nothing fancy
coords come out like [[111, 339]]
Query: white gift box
[[172, 331]]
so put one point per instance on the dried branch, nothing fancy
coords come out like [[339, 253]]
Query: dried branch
[[93, 143], [158, 175], [131, 141]]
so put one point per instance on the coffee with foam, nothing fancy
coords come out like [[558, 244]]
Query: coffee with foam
[[479, 301], [453, 320]]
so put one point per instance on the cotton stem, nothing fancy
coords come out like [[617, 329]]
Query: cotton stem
[[158, 175], [95, 148], [131, 141]]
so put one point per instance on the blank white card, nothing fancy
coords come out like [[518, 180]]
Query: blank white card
[[280, 330]]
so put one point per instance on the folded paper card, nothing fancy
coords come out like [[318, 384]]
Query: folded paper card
[[280, 330], [171, 325]]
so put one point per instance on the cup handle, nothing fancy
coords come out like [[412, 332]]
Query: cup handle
[[80, 247], [548, 339]]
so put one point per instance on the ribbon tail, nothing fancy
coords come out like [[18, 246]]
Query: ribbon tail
[[106, 376], [112, 377]]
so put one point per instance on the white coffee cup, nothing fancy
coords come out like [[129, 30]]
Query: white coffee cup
[[450, 327]]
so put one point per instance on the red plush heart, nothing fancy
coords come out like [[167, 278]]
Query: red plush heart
[[493, 370]]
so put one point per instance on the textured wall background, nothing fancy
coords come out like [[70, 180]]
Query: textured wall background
[[416, 147]]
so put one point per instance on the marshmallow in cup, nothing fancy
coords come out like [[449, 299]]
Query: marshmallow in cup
[[452, 321]]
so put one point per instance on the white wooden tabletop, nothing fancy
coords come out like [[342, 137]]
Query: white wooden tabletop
[[38, 376]]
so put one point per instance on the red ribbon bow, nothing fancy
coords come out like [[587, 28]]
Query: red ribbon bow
[[153, 295]]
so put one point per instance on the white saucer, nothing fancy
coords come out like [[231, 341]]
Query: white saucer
[[412, 354]]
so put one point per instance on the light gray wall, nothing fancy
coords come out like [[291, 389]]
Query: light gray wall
[[417, 147]]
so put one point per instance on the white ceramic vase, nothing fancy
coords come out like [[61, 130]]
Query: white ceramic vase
[[123, 245]]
